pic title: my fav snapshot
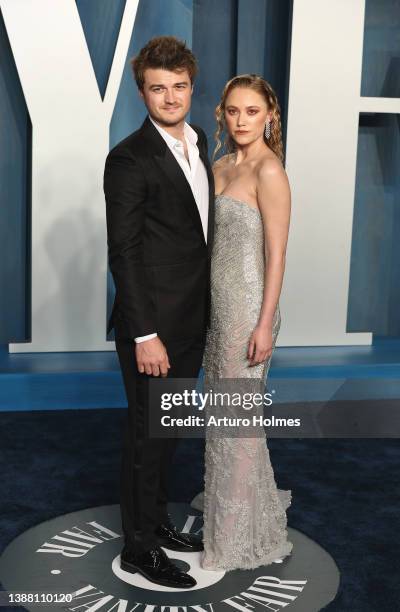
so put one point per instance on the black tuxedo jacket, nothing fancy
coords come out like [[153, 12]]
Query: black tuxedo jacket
[[157, 254]]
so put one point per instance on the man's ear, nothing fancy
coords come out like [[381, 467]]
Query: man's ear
[[141, 93]]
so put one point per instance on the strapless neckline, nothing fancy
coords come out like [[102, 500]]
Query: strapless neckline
[[228, 197]]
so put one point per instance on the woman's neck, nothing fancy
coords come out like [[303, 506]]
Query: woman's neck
[[249, 152]]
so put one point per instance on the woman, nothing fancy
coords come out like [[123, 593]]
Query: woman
[[244, 513]]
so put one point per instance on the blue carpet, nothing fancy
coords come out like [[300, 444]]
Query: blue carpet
[[345, 492]]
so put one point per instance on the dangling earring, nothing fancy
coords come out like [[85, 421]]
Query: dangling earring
[[268, 130]]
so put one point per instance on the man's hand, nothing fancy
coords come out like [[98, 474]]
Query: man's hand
[[152, 357]]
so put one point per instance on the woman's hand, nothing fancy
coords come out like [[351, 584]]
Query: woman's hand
[[260, 345]]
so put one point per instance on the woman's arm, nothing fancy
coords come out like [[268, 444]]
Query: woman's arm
[[273, 195]]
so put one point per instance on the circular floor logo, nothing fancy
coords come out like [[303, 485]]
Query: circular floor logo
[[71, 563]]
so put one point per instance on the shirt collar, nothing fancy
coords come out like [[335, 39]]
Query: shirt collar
[[189, 133]]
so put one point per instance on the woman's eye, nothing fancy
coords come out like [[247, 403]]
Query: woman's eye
[[252, 112], [231, 111]]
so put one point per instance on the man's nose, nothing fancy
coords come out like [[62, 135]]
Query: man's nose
[[169, 96]]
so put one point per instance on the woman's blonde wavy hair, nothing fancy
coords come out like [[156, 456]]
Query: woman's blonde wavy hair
[[261, 86]]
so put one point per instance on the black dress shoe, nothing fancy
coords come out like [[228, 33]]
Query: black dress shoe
[[156, 567], [171, 538]]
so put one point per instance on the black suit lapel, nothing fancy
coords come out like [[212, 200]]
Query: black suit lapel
[[211, 196], [172, 170]]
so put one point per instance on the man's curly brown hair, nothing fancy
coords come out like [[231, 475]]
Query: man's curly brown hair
[[165, 52]]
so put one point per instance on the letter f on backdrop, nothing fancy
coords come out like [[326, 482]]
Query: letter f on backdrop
[[70, 141]]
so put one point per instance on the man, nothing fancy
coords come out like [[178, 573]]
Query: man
[[159, 194]]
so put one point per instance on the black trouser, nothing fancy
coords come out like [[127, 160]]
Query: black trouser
[[146, 460]]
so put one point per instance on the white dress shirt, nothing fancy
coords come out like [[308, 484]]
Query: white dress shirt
[[195, 173]]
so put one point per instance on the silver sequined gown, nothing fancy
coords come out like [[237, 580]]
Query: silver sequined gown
[[244, 513]]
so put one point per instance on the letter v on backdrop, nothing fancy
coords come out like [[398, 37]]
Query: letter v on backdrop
[[70, 140]]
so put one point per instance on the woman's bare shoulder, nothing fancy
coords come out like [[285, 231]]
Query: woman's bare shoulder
[[270, 164], [270, 168], [223, 161]]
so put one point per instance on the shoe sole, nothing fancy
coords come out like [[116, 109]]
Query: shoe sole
[[132, 569]]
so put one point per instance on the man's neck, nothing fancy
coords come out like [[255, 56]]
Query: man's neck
[[177, 130]]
